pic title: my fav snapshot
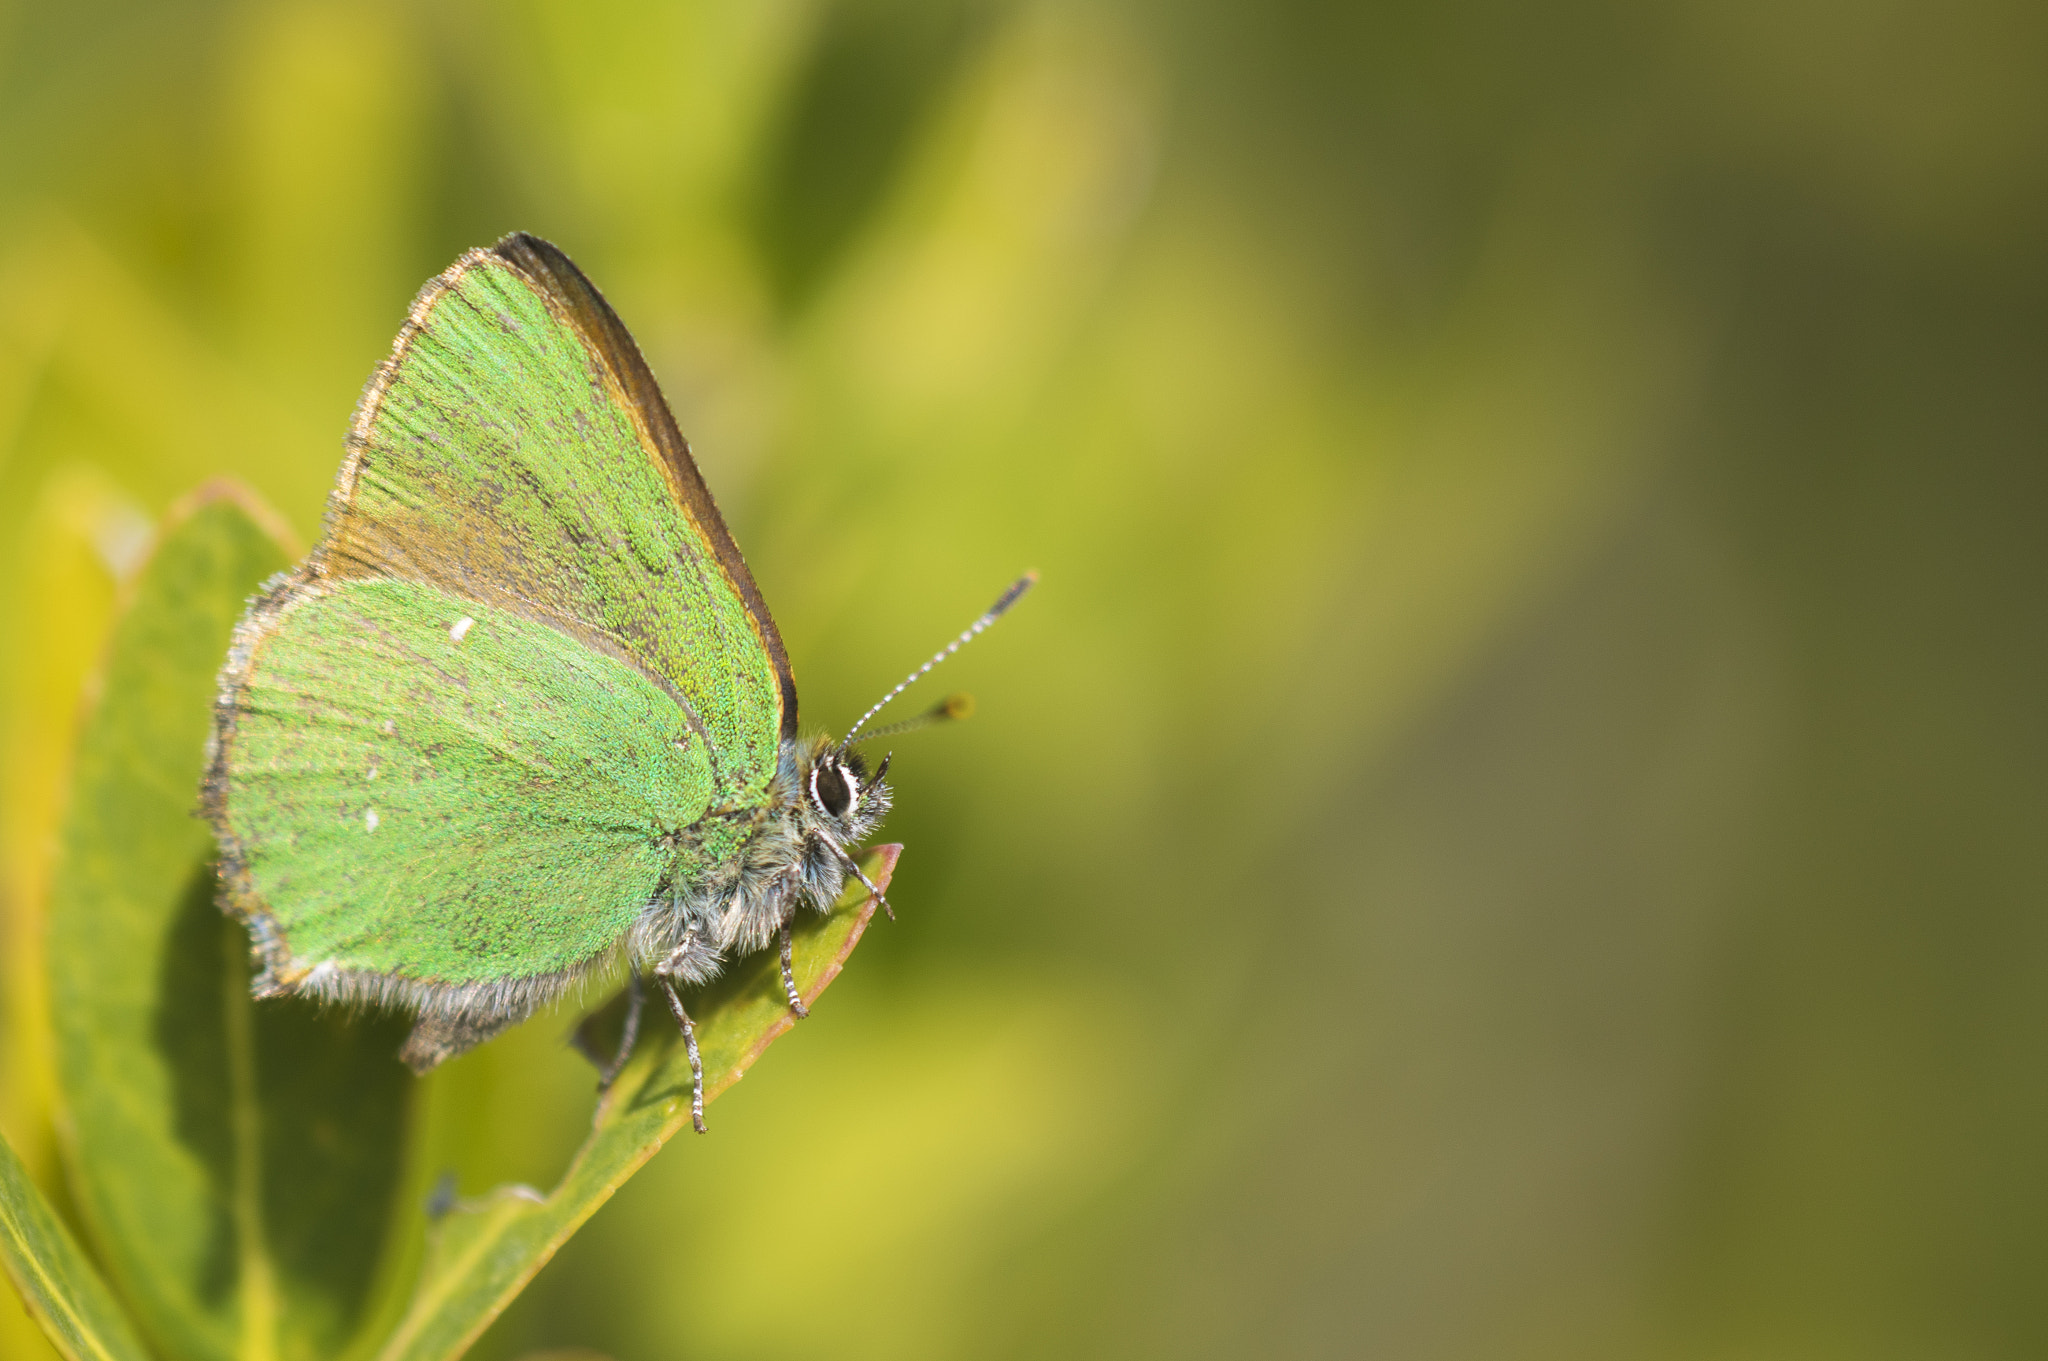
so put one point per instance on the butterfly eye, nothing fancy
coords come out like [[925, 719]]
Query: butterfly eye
[[831, 788]]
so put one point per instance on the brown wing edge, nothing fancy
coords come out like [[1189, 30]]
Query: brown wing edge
[[238, 896], [570, 293], [357, 443]]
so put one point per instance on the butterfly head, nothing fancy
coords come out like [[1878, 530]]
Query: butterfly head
[[839, 791]]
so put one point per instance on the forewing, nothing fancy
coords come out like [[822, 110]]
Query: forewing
[[516, 452], [404, 794]]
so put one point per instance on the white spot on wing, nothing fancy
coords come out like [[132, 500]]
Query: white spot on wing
[[370, 819], [462, 627]]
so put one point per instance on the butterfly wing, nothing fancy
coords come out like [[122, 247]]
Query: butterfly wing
[[515, 450], [512, 463], [429, 792]]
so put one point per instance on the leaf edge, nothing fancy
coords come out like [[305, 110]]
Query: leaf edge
[[101, 1329]]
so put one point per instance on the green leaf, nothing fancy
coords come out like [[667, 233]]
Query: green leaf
[[483, 1254], [237, 1164], [58, 1285]]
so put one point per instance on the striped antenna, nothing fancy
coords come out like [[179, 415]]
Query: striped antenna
[[994, 612], [950, 709]]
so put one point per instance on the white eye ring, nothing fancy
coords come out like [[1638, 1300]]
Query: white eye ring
[[847, 783]]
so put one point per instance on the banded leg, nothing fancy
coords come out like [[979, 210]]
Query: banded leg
[[796, 999], [675, 1004]]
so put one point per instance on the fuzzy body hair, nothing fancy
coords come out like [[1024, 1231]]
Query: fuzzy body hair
[[738, 907]]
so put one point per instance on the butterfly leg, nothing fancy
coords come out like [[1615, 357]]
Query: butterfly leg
[[796, 999], [629, 1035], [675, 1004]]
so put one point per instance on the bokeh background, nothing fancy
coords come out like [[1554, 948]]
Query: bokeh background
[[1513, 826]]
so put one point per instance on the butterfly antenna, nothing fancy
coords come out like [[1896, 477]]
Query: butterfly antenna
[[993, 613], [948, 710]]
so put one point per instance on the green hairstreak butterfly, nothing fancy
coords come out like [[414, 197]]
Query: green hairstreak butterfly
[[522, 708]]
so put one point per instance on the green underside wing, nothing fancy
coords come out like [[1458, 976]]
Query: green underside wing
[[523, 683], [405, 818]]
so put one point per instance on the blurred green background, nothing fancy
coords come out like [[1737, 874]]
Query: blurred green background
[[1514, 824]]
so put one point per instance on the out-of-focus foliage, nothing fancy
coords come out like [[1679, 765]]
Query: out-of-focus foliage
[[53, 1278], [1513, 824]]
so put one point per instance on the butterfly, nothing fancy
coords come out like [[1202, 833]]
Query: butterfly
[[522, 709]]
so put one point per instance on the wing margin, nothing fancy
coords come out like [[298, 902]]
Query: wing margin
[[578, 302]]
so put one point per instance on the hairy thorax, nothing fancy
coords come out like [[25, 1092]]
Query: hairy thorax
[[793, 856]]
